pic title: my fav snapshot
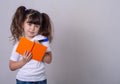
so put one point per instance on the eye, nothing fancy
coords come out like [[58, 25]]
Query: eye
[[37, 26], [29, 24]]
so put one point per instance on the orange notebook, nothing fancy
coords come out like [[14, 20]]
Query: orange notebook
[[38, 50]]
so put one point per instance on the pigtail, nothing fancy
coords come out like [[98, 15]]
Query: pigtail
[[46, 29], [16, 25]]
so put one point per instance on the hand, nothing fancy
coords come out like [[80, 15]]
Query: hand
[[47, 57], [36, 41], [27, 56]]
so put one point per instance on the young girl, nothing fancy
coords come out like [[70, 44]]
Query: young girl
[[34, 26]]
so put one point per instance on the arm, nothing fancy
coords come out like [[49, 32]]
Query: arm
[[13, 65], [47, 57]]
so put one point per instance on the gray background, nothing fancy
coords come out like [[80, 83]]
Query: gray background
[[86, 45]]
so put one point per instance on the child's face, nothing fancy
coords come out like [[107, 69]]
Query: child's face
[[30, 30]]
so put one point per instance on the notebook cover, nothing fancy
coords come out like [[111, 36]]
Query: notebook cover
[[38, 50]]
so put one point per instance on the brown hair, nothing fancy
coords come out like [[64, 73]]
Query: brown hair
[[34, 17]]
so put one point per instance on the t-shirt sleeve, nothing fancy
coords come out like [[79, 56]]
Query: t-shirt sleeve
[[47, 45], [43, 40], [14, 55]]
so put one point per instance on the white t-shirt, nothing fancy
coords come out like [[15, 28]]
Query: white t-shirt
[[32, 70]]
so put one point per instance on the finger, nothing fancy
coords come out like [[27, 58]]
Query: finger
[[29, 56], [25, 55], [25, 52], [36, 41]]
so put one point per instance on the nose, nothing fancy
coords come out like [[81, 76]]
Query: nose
[[32, 27]]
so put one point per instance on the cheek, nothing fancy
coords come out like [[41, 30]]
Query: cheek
[[37, 31], [25, 29]]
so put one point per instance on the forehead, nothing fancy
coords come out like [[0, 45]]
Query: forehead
[[33, 19]]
